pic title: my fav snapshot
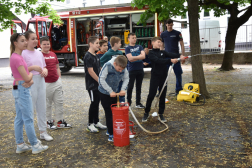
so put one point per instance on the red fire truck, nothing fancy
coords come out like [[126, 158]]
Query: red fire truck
[[69, 40]]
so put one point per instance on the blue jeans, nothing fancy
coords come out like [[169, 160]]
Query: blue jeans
[[178, 72], [24, 114], [121, 98]]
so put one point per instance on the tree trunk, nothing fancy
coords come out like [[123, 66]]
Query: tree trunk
[[227, 63], [197, 68]]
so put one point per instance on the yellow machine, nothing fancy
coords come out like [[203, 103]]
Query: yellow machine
[[126, 33], [190, 93]]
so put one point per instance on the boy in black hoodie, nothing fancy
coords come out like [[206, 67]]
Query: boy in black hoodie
[[159, 61]]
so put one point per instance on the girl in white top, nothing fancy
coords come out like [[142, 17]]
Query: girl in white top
[[36, 65]]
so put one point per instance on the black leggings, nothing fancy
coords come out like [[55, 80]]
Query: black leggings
[[106, 102], [94, 106]]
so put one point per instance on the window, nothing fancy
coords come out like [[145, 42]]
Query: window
[[206, 13], [184, 25], [32, 26], [44, 29], [184, 16], [39, 29]]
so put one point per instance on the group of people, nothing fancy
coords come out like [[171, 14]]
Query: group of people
[[37, 84], [37, 81], [110, 74]]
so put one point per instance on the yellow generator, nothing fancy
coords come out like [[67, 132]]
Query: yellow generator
[[190, 93]]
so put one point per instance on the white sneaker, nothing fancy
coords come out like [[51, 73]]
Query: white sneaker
[[45, 136], [100, 126], [38, 148], [91, 128], [166, 100], [23, 148]]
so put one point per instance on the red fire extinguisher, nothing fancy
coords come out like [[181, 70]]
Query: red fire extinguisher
[[120, 125]]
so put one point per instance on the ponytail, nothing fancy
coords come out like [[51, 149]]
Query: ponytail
[[13, 38]]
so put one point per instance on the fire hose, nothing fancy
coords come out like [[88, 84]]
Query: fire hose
[[154, 114]]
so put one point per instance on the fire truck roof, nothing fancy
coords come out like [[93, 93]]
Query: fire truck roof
[[94, 7]]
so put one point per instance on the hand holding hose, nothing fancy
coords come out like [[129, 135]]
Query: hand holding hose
[[174, 61], [183, 58]]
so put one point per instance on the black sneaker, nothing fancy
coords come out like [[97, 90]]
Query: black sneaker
[[161, 118], [177, 92], [50, 125], [63, 124], [140, 106], [145, 118]]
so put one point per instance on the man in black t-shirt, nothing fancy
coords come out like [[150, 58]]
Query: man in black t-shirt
[[92, 69], [171, 38]]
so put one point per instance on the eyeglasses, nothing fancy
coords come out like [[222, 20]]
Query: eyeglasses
[[19, 34]]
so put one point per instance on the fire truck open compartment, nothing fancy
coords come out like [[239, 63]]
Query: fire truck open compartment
[[86, 27], [116, 25], [112, 25]]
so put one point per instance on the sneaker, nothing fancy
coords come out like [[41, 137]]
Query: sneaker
[[107, 133], [100, 126], [111, 138], [46, 137], [38, 148], [161, 118], [140, 106], [145, 118], [23, 148], [63, 124], [91, 128], [131, 135], [166, 100], [37, 141], [177, 92], [50, 124]]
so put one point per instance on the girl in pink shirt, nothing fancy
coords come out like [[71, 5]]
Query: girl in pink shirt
[[36, 65], [21, 93]]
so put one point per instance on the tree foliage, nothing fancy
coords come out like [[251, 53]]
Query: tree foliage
[[173, 8], [8, 10]]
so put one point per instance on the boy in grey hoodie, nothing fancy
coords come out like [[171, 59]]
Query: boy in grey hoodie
[[110, 76]]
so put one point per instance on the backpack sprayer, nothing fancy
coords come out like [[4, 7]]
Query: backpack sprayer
[[155, 113]]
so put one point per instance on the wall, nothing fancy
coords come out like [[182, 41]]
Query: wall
[[239, 58]]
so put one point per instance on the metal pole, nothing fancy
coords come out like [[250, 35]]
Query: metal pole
[[209, 40], [131, 23], [246, 38]]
